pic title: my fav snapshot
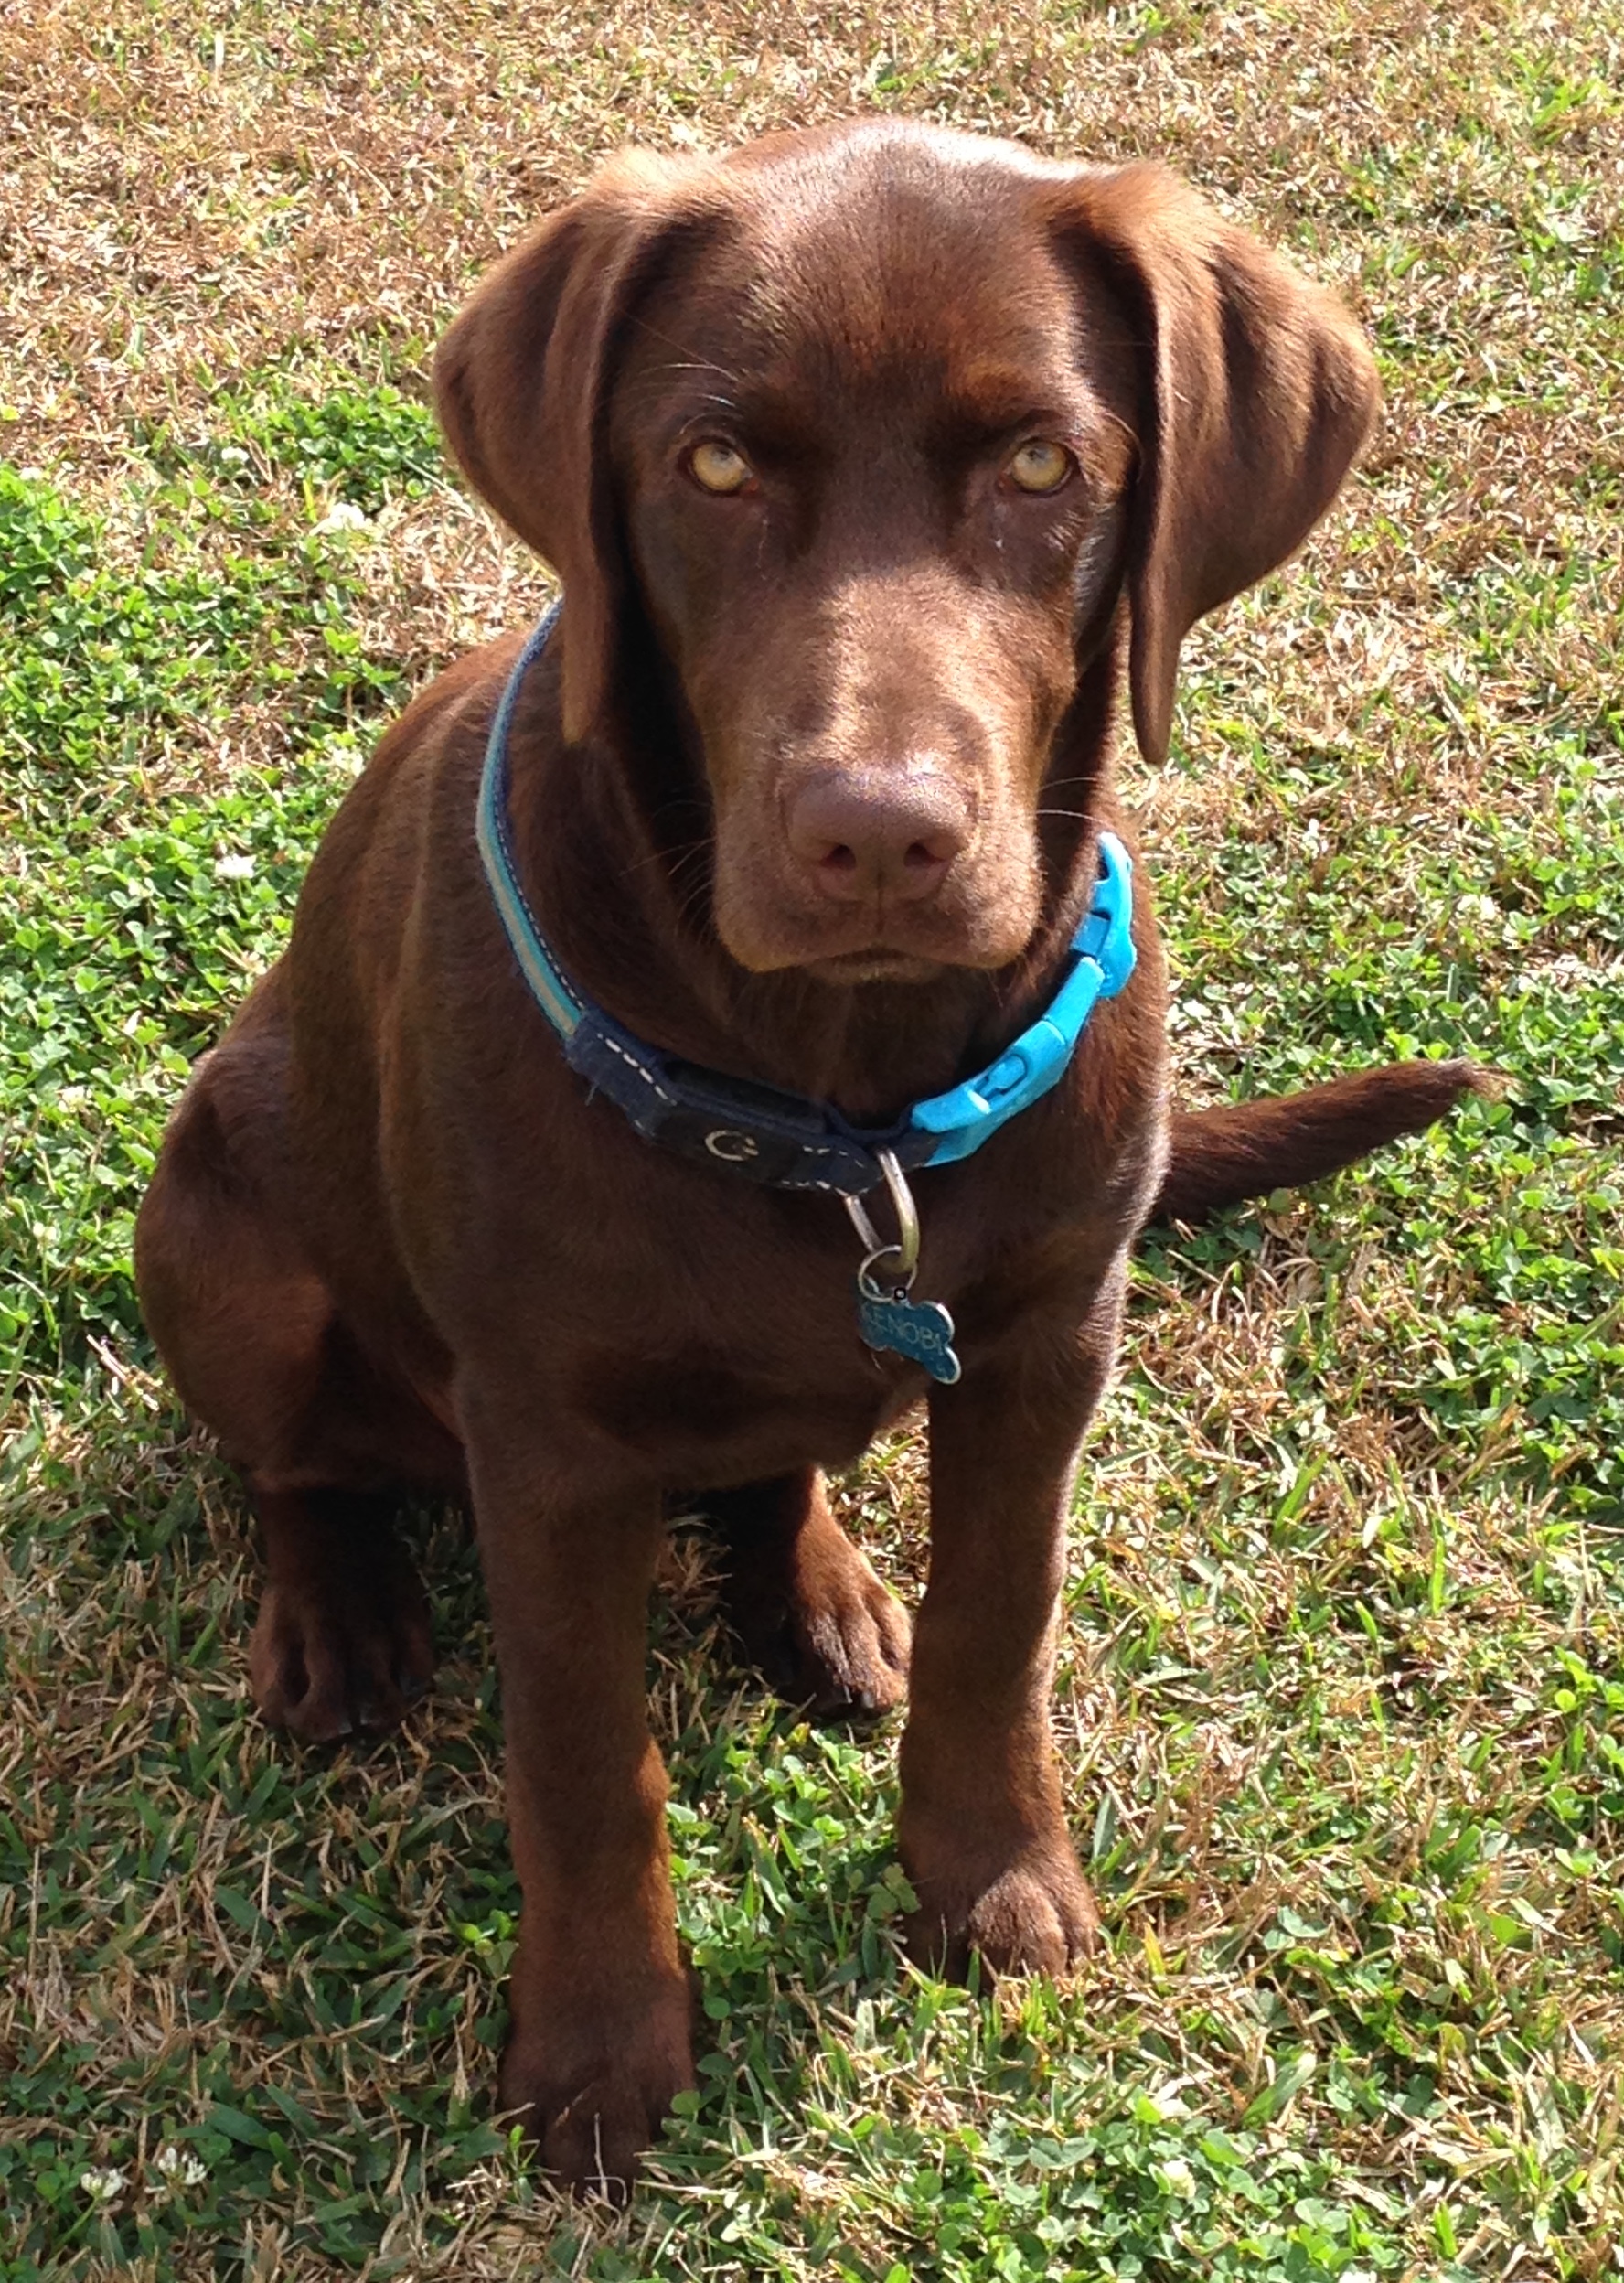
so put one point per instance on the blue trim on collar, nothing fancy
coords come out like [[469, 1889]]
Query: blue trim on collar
[[780, 1139]]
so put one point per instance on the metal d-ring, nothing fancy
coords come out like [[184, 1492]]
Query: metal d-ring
[[904, 1252]]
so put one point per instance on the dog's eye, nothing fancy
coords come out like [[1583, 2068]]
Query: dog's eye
[[1040, 466], [718, 467]]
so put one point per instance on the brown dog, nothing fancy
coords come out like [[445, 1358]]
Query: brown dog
[[875, 462]]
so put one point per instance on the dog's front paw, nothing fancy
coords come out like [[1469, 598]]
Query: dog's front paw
[[1033, 1915], [591, 2091]]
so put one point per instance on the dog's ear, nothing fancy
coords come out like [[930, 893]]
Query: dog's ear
[[522, 384], [1254, 391]]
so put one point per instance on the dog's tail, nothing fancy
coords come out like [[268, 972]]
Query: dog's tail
[[1280, 1140]]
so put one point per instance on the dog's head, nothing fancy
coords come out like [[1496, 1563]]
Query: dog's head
[[867, 433]]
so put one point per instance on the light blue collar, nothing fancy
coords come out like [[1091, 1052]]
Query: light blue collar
[[781, 1139]]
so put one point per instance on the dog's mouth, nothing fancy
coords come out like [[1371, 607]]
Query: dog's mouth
[[915, 947], [877, 965]]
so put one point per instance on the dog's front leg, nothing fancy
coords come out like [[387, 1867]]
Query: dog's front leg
[[600, 2035], [982, 1829]]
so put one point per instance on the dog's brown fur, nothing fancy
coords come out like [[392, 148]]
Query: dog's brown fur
[[393, 1242]]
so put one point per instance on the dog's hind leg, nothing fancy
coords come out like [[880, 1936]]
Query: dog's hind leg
[[804, 1602], [342, 1641], [258, 1354]]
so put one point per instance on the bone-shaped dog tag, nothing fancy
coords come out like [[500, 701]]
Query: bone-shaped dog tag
[[922, 1330]]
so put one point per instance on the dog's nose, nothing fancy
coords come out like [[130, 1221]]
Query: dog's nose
[[862, 834]]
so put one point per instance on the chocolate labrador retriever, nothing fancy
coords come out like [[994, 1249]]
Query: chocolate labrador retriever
[[734, 1014]]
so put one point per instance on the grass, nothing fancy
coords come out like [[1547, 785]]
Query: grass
[[1341, 1684]]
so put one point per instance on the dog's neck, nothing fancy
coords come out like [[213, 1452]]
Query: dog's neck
[[616, 858]]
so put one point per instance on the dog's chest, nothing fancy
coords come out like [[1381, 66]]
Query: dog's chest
[[708, 1417], [738, 1358], [711, 1327]]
